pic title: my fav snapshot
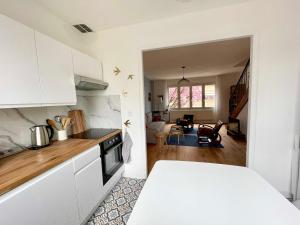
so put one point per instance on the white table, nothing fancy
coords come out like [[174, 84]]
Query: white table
[[191, 193]]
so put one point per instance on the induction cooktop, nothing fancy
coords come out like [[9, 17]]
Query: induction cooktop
[[94, 133]]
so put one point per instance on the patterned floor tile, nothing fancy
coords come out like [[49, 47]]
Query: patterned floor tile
[[118, 205]]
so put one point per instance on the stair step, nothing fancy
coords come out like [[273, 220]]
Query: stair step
[[239, 107]]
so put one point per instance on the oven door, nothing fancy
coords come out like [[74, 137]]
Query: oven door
[[111, 161]]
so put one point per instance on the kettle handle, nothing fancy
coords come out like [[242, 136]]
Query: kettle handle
[[51, 131]]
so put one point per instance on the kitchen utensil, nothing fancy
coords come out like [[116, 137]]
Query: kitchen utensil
[[78, 121], [41, 135], [66, 123], [62, 135], [58, 121], [63, 121], [52, 124]]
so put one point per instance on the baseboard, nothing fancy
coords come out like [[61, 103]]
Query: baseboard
[[287, 195]]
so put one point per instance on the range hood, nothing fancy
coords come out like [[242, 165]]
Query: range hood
[[89, 84]]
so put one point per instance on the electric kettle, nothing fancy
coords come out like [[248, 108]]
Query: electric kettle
[[41, 136]]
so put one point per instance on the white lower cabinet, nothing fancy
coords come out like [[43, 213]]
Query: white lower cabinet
[[49, 199], [89, 188], [65, 195]]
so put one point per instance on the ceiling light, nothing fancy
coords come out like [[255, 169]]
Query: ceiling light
[[183, 80]]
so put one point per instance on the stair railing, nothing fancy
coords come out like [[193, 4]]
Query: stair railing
[[241, 89]]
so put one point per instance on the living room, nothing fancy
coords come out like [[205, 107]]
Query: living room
[[196, 101]]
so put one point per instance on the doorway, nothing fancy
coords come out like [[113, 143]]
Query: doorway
[[218, 79]]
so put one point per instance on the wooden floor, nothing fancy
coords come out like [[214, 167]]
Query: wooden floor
[[233, 153]]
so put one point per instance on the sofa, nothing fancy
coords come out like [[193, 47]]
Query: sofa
[[153, 127]]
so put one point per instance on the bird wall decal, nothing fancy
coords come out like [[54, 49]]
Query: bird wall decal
[[127, 123], [124, 93], [117, 71], [130, 77]]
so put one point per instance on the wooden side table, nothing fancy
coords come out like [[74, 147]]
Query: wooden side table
[[176, 131]]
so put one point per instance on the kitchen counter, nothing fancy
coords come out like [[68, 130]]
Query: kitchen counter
[[22, 167]]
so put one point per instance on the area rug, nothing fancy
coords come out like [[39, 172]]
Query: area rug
[[190, 138], [118, 205]]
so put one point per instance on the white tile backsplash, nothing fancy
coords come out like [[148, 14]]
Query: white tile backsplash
[[100, 112]]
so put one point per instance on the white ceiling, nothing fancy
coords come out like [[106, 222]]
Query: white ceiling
[[209, 59], [105, 14]]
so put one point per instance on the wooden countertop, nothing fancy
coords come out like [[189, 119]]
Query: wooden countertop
[[22, 167]]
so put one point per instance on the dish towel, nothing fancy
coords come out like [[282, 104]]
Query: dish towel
[[127, 145]]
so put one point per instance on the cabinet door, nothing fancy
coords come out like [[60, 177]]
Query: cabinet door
[[85, 65], [55, 70], [18, 65], [49, 199], [89, 188]]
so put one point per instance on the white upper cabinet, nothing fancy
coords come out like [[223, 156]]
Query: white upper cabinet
[[87, 66], [19, 83], [36, 70], [55, 67]]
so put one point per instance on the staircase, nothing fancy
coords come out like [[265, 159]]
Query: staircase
[[239, 93]]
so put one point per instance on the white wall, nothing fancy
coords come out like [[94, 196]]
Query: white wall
[[275, 27], [243, 117], [223, 84], [39, 18], [159, 88], [295, 174]]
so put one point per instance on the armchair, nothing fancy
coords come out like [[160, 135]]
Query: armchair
[[208, 134]]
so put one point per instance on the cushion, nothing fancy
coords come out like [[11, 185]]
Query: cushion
[[158, 126]]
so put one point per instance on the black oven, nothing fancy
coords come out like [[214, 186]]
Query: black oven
[[111, 156]]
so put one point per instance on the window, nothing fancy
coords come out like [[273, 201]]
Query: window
[[209, 95], [173, 98], [197, 96], [194, 96], [185, 97]]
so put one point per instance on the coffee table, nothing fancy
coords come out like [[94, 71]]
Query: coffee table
[[176, 130]]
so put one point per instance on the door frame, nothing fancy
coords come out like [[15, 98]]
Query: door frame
[[253, 86]]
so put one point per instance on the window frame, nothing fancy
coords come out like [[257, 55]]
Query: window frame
[[203, 95], [178, 105], [190, 86], [179, 97]]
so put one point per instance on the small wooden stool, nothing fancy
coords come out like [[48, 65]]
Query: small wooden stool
[[161, 139]]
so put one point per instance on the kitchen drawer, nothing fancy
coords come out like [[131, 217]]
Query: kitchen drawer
[[86, 158]]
